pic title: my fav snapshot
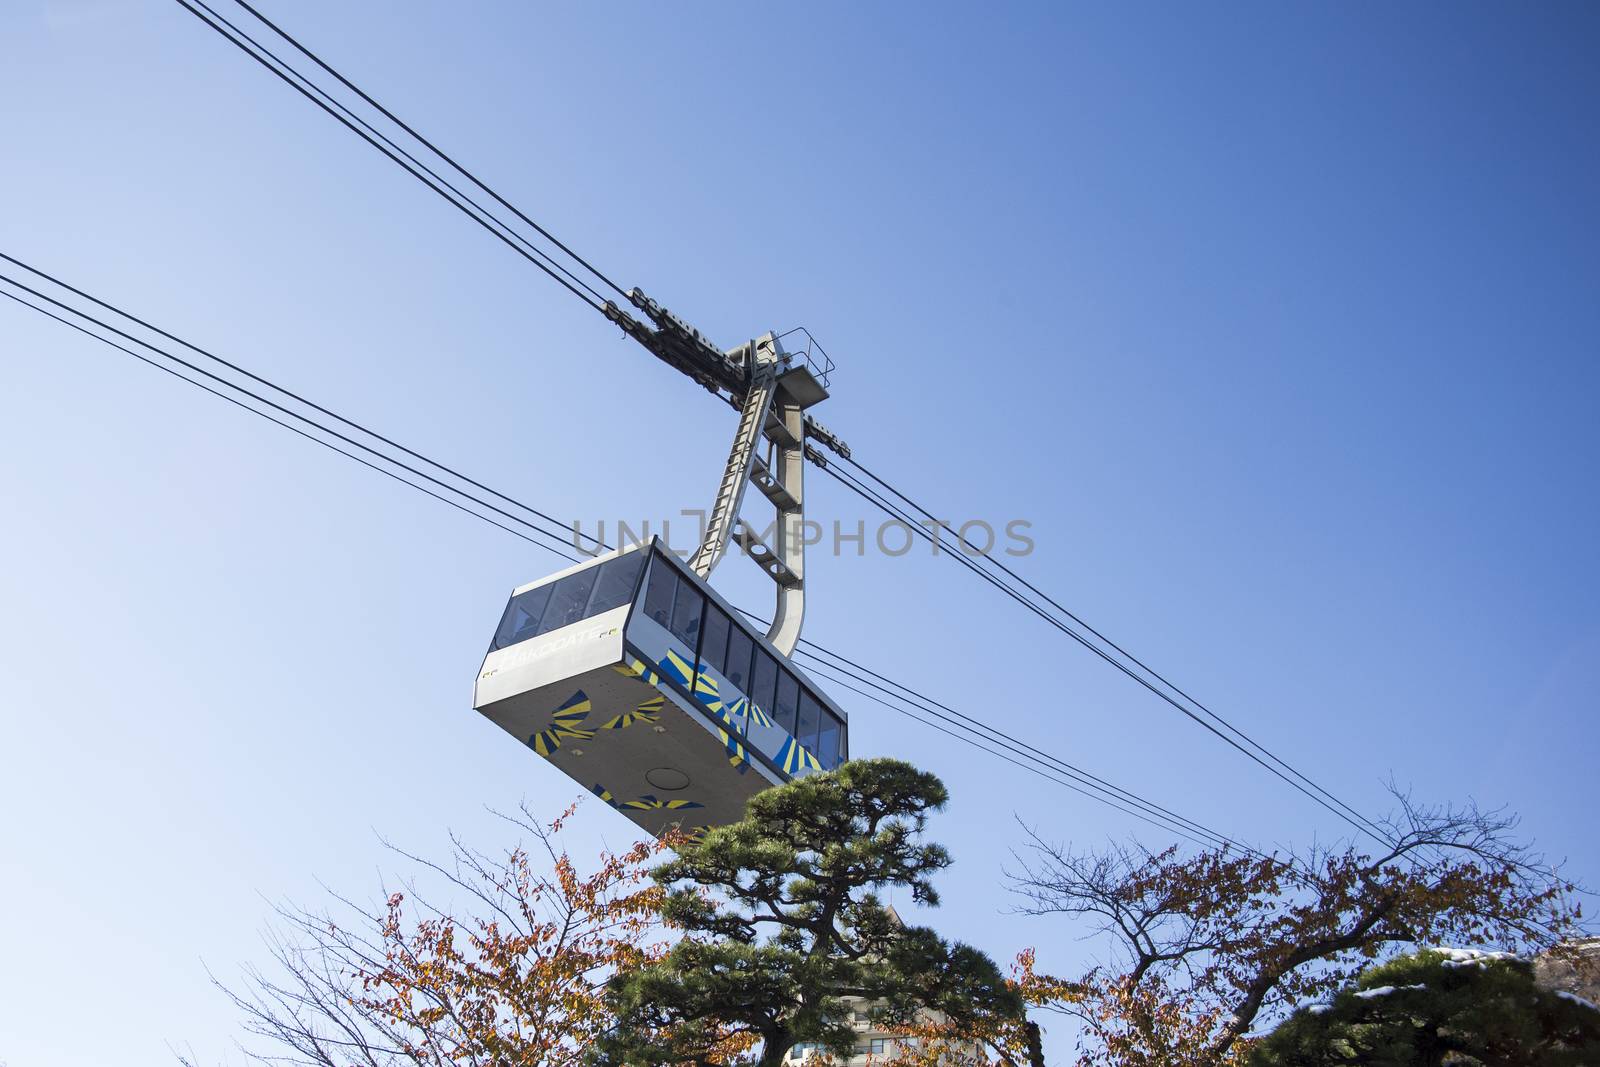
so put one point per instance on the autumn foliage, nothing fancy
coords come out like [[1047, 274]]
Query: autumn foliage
[[1212, 947], [729, 948], [522, 983], [519, 980]]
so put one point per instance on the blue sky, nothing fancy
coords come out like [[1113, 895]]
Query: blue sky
[[1278, 323]]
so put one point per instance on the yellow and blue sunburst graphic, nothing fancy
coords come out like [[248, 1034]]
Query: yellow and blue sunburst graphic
[[706, 692], [676, 668], [636, 668], [706, 689], [794, 757], [757, 716], [565, 725], [647, 711], [729, 733], [738, 759], [650, 802]]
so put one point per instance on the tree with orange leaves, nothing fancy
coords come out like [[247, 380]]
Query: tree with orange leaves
[[1212, 946], [521, 982]]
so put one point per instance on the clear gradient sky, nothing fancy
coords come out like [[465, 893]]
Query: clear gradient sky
[[1278, 322]]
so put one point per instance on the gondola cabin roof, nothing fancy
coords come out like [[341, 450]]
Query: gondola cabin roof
[[634, 678]]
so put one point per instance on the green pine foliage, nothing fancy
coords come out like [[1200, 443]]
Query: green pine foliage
[[783, 920], [1439, 1007]]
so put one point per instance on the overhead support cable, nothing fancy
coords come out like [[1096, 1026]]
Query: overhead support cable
[[889, 508], [911, 703], [219, 394], [672, 340], [872, 679], [290, 394], [1367, 824], [1050, 768], [392, 117], [405, 160], [1349, 815], [571, 278], [976, 741], [282, 409]]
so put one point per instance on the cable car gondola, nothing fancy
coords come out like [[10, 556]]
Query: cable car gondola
[[632, 676], [637, 680]]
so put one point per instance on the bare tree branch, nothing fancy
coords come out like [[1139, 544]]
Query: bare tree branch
[[1208, 945]]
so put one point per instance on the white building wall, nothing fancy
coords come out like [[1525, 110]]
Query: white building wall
[[872, 1045]]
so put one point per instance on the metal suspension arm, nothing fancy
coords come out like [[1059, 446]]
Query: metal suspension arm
[[736, 473], [790, 504], [771, 392]]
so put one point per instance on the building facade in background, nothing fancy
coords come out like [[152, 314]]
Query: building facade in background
[[874, 1045]]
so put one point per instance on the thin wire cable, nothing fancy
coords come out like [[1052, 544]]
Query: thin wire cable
[[991, 734], [291, 394], [301, 79], [280, 422], [1371, 828], [265, 400], [593, 303], [1155, 815], [1348, 813], [392, 117], [1152, 813], [1179, 825], [1158, 815], [1152, 810], [1001, 564], [903, 692], [1146, 810], [871, 497], [969, 740]]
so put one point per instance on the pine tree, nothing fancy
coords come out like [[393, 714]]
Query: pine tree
[[1439, 1007], [783, 922]]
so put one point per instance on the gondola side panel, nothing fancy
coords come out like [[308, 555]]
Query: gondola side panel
[[578, 698]]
